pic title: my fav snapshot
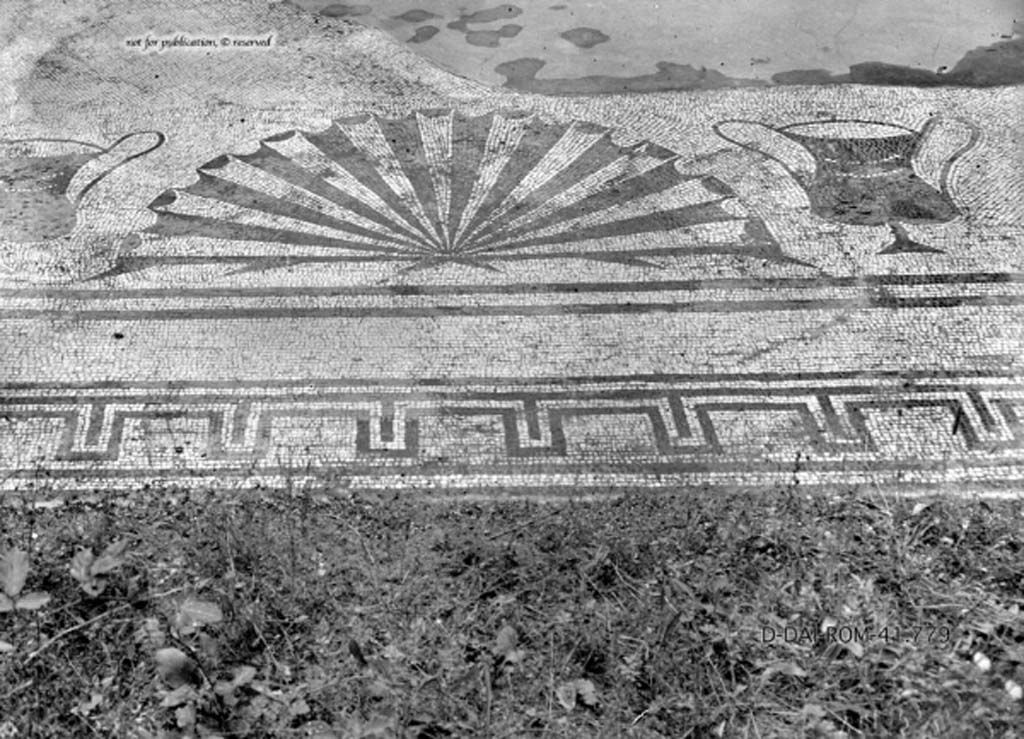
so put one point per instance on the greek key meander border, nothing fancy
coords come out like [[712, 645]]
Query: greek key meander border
[[829, 413]]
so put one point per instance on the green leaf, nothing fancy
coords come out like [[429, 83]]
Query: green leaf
[[320, 730], [13, 572], [244, 675], [357, 653], [209, 647], [116, 548], [586, 693], [111, 558], [174, 666], [185, 716], [150, 634], [573, 691], [179, 696], [566, 695], [94, 587], [505, 641], [379, 727], [87, 706], [81, 565], [377, 689], [6, 604], [855, 648], [813, 710], [6, 647], [921, 508], [104, 565], [200, 611], [792, 669], [32, 601]]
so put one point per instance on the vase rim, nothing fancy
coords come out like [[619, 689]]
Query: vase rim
[[848, 129]]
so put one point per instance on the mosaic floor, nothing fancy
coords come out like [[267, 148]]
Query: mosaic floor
[[244, 247]]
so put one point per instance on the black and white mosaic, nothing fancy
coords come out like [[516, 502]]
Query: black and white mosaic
[[424, 286], [739, 430]]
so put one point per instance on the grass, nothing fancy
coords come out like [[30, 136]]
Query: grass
[[675, 615]]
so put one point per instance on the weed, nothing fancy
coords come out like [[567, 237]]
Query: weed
[[297, 614]]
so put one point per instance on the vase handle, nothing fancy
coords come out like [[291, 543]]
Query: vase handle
[[971, 142], [110, 151], [793, 172]]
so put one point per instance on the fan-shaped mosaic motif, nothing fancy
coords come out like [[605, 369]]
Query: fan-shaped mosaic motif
[[437, 187]]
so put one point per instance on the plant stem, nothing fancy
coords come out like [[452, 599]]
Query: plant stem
[[71, 630], [78, 627]]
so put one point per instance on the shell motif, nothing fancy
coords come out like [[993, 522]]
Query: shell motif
[[437, 187]]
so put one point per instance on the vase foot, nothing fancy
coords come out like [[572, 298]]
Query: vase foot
[[903, 244]]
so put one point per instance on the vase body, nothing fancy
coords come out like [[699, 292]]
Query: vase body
[[868, 180], [863, 172]]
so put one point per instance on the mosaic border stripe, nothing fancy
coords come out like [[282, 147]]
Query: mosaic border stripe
[[582, 309], [547, 299], [719, 283]]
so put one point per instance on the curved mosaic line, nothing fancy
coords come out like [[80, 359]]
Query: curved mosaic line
[[438, 187]]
